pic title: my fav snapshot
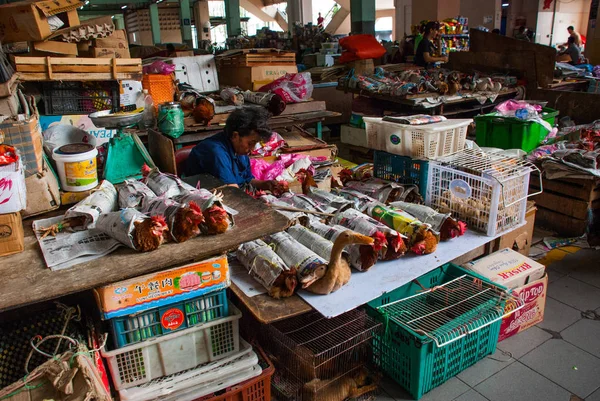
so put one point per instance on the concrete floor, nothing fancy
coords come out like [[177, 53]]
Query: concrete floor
[[557, 360]]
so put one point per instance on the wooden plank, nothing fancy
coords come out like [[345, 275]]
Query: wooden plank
[[27, 280], [268, 310], [564, 225], [586, 190], [25, 76], [76, 61], [75, 68], [575, 208], [162, 151], [304, 107]]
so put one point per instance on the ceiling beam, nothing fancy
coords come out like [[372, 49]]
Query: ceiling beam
[[254, 7]]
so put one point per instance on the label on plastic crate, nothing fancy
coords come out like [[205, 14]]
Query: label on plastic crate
[[534, 297], [172, 319], [163, 288]]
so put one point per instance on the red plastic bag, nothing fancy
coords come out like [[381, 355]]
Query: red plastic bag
[[362, 47]]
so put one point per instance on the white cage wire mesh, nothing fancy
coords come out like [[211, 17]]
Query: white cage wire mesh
[[488, 191]]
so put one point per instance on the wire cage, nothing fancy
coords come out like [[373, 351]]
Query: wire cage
[[360, 383], [438, 325], [314, 347], [62, 98], [488, 191]]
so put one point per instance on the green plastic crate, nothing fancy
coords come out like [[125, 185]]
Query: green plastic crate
[[511, 133], [415, 361]]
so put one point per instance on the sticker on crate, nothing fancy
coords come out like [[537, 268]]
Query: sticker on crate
[[162, 288], [534, 297]]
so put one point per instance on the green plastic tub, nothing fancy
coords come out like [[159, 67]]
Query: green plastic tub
[[511, 133], [413, 359]]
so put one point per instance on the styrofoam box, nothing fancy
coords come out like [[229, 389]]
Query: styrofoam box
[[163, 356], [356, 136], [198, 71], [427, 141], [204, 379], [508, 268]]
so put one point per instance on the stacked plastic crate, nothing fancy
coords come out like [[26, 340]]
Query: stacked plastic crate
[[174, 334], [323, 359]]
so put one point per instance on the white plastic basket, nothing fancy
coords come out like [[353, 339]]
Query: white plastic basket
[[204, 379], [162, 356], [488, 191], [428, 141]]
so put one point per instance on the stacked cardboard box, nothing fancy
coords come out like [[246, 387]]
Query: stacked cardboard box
[[114, 46]]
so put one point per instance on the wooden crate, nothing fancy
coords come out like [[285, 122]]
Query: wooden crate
[[566, 205], [257, 59], [77, 69]]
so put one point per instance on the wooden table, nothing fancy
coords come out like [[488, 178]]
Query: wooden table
[[27, 280]]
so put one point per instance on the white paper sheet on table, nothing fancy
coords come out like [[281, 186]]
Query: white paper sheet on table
[[240, 276], [68, 249], [387, 276]]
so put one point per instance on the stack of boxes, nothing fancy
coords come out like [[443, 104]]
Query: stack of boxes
[[114, 46], [173, 321], [525, 277]]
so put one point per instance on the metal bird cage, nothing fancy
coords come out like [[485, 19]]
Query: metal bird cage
[[314, 347]]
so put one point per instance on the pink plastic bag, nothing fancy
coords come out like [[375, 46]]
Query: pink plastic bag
[[292, 88], [271, 147], [159, 67]]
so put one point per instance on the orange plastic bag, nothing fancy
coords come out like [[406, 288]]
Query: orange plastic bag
[[360, 47]]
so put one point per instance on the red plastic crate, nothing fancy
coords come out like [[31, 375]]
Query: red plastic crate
[[256, 389]]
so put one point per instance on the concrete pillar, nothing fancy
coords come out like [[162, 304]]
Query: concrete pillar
[[185, 18], [232, 17], [202, 18], [362, 16], [119, 21], [307, 12], [402, 18], [294, 13], [154, 23]]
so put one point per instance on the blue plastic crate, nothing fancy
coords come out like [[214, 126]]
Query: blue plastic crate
[[166, 319], [401, 169]]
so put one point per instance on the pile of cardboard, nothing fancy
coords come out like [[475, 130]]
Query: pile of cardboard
[[113, 46]]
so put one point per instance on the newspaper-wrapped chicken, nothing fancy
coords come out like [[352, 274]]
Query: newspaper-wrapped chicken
[[393, 243], [313, 241], [359, 200], [309, 265], [443, 223], [131, 193], [295, 217], [183, 220], [267, 268], [162, 184], [422, 240], [217, 219], [362, 257], [134, 229], [304, 202], [386, 191], [327, 198], [85, 213]]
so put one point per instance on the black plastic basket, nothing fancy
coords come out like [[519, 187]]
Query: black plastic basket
[[62, 98]]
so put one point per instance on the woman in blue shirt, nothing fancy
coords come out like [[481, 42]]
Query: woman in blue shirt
[[225, 155]]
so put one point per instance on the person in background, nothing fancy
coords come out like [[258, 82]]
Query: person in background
[[424, 56], [419, 37], [320, 21], [225, 155], [522, 35], [576, 37], [572, 54]]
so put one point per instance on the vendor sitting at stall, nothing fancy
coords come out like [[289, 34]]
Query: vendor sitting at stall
[[572, 54], [424, 56], [225, 155]]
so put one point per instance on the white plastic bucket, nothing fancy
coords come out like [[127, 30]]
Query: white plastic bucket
[[76, 165]]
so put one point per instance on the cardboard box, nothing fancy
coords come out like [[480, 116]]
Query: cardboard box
[[534, 297], [103, 52], [28, 20], [520, 239], [162, 288], [13, 192], [11, 234], [245, 76], [9, 105], [42, 193], [118, 40], [54, 48], [354, 136], [25, 134], [188, 53], [508, 268]]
